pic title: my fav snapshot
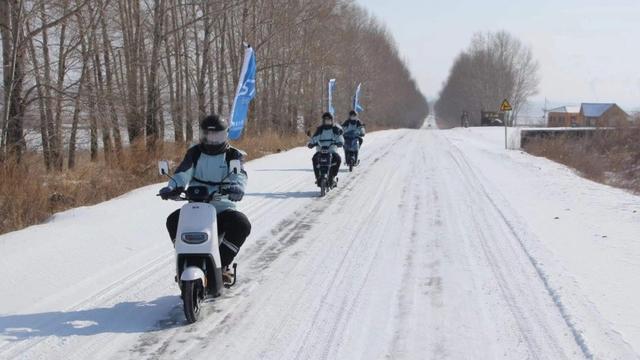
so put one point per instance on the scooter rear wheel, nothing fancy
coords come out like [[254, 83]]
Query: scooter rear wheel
[[191, 295]]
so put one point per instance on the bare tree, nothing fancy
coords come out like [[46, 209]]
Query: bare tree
[[153, 108], [495, 66], [117, 62]]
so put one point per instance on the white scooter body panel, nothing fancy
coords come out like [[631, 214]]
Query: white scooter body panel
[[198, 218]]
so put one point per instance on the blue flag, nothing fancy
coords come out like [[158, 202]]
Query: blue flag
[[356, 100], [332, 86], [244, 94]]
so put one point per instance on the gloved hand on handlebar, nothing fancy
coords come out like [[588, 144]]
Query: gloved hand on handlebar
[[311, 145], [168, 192], [235, 192]]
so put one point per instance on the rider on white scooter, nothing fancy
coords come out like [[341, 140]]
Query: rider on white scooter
[[206, 164]]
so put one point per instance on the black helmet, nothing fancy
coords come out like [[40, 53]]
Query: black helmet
[[213, 122], [213, 135], [353, 113], [327, 115]]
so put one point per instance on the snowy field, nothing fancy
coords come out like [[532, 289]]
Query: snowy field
[[441, 245]]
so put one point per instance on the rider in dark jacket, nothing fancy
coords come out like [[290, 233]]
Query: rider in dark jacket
[[327, 134], [354, 125]]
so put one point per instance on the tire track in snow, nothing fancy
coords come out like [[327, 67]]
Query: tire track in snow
[[267, 249], [332, 328], [478, 188], [421, 278], [335, 200]]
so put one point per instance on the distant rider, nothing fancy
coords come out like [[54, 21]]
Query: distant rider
[[328, 134], [354, 125], [205, 164], [464, 119]]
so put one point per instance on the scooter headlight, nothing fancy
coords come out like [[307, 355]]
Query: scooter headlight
[[195, 237]]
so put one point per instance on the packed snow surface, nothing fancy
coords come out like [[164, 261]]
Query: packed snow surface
[[440, 245]]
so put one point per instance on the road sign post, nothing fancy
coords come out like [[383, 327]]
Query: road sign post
[[506, 119], [506, 108]]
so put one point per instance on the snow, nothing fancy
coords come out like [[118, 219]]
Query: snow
[[442, 244]]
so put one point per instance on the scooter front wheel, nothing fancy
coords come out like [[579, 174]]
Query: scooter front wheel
[[323, 187], [191, 296]]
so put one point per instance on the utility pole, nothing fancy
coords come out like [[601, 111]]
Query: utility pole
[[545, 111]]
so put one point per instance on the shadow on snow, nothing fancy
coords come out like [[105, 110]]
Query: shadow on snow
[[125, 317]]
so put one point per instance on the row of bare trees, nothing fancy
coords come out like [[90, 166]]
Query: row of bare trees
[[496, 66], [133, 71]]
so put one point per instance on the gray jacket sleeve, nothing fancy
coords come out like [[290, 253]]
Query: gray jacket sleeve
[[184, 172]]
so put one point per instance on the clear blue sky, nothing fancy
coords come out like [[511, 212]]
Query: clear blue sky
[[588, 50]]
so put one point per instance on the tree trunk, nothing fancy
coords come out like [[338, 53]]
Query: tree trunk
[[200, 89], [178, 137], [106, 45], [76, 118], [56, 154], [41, 106], [55, 126], [178, 111], [93, 122], [107, 144], [13, 46], [130, 19], [152, 90], [222, 72], [186, 81]]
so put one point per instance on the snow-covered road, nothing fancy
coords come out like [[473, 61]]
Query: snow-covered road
[[441, 245]]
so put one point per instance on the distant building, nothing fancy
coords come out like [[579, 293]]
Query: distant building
[[587, 115], [603, 115], [565, 116]]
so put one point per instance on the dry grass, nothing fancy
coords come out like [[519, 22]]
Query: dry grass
[[610, 157], [269, 143], [29, 195]]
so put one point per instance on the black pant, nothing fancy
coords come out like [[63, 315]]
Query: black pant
[[233, 224], [335, 166]]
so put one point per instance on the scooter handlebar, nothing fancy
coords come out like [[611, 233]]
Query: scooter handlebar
[[220, 192]]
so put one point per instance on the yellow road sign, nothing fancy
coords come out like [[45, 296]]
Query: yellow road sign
[[505, 106]]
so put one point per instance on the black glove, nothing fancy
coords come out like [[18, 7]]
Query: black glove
[[168, 192], [311, 145], [235, 192]]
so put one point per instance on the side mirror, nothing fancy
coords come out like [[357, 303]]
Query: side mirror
[[163, 167], [235, 166]]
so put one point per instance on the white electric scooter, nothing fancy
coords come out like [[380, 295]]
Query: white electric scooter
[[198, 266]]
